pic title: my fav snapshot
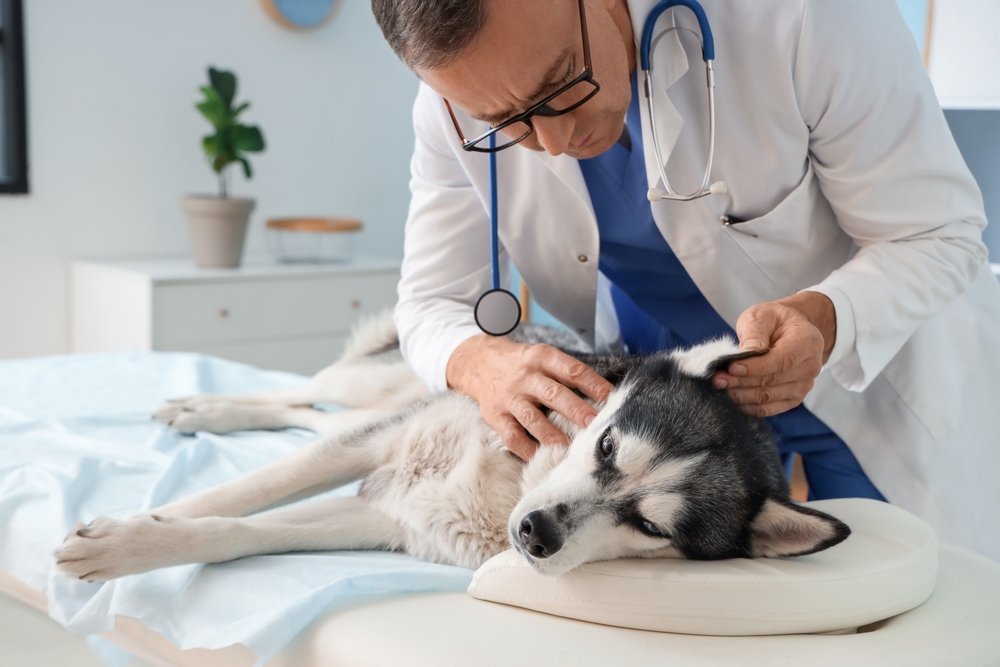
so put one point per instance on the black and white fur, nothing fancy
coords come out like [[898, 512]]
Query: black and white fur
[[669, 468]]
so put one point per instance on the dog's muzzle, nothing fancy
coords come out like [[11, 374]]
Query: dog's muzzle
[[539, 535]]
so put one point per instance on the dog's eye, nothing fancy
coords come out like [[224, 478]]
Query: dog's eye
[[652, 530], [607, 446]]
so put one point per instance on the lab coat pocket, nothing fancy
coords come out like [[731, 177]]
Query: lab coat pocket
[[798, 242]]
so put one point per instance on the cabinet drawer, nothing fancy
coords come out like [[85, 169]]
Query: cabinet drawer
[[185, 314]]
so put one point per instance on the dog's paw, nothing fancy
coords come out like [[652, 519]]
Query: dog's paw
[[110, 548], [190, 415]]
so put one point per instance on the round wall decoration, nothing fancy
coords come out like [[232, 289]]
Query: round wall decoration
[[301, 14]]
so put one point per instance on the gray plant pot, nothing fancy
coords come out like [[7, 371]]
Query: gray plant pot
[[218, 228]]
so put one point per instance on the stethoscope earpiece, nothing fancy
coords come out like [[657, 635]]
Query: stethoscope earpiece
[[498, 312]]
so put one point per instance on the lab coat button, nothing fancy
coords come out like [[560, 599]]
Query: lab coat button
[[582, 258]]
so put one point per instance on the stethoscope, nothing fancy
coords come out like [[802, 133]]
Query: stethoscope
[[498, 311]]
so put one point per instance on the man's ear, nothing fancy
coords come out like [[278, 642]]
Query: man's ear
[[783, 528], [703, 361]]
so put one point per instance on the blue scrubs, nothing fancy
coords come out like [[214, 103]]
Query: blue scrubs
[[659, 306]]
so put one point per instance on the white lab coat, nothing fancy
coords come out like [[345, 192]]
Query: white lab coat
[[839, 158]]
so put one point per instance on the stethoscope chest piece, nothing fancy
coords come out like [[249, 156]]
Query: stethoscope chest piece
[[497, 312]]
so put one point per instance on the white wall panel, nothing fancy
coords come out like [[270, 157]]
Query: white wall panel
[[965, 53]]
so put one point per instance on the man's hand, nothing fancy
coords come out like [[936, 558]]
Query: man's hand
[[801, 331], [511, 380]]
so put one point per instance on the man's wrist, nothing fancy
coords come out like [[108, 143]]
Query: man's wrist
[[468, 357], [819, 310], [454, 371]]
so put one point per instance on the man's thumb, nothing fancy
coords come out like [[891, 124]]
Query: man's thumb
[[754, 328]]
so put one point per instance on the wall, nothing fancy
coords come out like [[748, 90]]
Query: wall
[[114, 139], [977, 133]]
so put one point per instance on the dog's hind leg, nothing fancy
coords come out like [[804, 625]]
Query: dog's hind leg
[[370, 374], [385, 383], [110, 548]]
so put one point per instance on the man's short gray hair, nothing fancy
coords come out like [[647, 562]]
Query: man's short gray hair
[[429, 34]]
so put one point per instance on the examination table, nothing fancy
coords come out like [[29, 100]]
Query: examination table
[[71, 428]]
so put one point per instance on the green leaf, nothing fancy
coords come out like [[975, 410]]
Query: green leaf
[[210, 144], [213, 108], [246, 138], [221, 162], [225, 83], [225, 141], [231, 138]]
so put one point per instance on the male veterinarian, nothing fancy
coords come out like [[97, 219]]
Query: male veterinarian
[[848, 242]]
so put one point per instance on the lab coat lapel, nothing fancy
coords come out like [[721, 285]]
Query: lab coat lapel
[[671, 63], [550, 230], [682, 224]]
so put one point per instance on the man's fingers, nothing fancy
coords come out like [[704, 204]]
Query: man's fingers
[[537, 424], [761, 411], [564, 401], [790, 391], [792, 349], [574, 373], [769, 380], [514, 437]]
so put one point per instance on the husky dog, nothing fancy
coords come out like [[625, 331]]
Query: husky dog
[[669, 468]]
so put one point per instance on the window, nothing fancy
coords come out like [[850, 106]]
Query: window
[[13, 128]]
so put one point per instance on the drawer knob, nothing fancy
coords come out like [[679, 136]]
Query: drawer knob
[[355, 304], [223, 312]]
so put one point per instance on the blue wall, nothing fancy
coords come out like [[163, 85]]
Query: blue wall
[[915, 14], [977, 133]]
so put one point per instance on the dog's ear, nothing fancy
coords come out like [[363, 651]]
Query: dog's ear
[[783, 528], [703, 361]]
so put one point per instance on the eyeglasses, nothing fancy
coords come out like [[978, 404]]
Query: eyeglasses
[[564, 100]]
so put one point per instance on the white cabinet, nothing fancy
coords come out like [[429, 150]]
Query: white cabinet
[[291, 317]]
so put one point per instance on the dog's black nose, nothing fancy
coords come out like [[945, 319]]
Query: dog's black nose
[[538, 535]]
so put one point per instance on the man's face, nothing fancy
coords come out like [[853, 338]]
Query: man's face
[[526, 51]]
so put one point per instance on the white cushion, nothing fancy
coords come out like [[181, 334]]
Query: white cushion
[[886, 567]]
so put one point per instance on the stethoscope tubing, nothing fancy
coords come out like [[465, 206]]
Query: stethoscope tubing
[[494, 216], [707, 39], [708, 55], [497, 312]]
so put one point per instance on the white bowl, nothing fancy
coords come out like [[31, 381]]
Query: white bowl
[[312, 240]]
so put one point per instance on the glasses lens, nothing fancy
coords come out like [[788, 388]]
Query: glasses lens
[[570, 98], [508, 136]]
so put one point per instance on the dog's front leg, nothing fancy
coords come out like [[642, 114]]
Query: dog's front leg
[[319, 466], [109, 548]]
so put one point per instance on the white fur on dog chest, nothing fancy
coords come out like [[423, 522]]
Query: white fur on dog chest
[[886, 567]]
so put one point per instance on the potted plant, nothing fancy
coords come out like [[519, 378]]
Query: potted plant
[[218, 225]]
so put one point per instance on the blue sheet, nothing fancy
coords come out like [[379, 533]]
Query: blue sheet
[[77, 442]]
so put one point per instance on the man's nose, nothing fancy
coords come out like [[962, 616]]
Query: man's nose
[[539, 534], [554, 133]]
